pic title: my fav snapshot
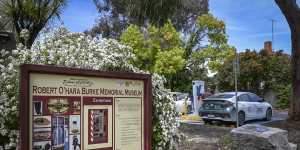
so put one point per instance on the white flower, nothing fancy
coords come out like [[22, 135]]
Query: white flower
[[24, 34]]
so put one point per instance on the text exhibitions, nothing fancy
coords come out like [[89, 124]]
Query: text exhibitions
[[76, 109]]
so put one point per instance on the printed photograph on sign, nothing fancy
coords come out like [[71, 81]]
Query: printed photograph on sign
[[37, 108], [74, 124], [43, 145], [59, 132], [41, 121], [58, 105], [75, 107], [41, 134], [66, 136], [74, 142], [97, 126]]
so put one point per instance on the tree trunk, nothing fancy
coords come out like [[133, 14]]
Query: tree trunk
[[291, 11], [294, 111]]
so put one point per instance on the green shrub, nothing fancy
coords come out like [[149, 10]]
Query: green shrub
[[283, 96]]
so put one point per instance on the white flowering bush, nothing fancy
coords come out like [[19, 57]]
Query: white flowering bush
[[165, 119], [64, 48]]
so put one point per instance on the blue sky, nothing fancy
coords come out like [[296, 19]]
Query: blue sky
[[248, 21], [79, 15]]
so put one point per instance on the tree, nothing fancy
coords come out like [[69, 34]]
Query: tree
[[258, 72], [206, 49], [279, 75], [209, 30], [4, 23], [185, 17], [157, 50], [291, 11], [144, 56], [31, 15], [117, 15], [211, 57], [249, 75]]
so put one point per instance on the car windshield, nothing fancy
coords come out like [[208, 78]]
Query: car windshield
[[182, 96], [179, 96], [222, 96]]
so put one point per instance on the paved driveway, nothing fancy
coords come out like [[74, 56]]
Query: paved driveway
[[206, 137], [278, 115]]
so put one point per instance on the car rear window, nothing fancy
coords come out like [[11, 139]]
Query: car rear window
[[182, 96], [213, 105], [222, 96]]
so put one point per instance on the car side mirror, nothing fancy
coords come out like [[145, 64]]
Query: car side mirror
[[261, 100]]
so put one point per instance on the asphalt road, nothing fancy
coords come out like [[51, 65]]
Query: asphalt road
[[277, 116]]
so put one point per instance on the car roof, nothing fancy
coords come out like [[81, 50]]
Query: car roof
[[224, 93], [238, 93]]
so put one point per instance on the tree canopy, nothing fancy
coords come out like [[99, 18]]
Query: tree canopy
[[206, 49], [157, 50], [117, 15], [164, 51], [208, 31], [258, 71], [31, 15]]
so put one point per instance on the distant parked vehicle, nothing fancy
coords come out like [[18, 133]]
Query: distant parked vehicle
[[183, 102], [221, 107]]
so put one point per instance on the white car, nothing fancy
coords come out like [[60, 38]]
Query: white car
[[182, 102], [221, 107]]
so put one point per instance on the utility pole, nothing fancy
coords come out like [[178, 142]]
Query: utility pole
[[273, 25], [236, 68]]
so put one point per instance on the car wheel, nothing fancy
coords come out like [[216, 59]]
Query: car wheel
[[268, 114], [189, 109], [241, 118]]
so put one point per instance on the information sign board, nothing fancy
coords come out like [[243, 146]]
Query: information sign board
[[77, 109]]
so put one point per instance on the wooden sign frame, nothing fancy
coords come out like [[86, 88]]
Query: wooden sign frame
[[28, 69]]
